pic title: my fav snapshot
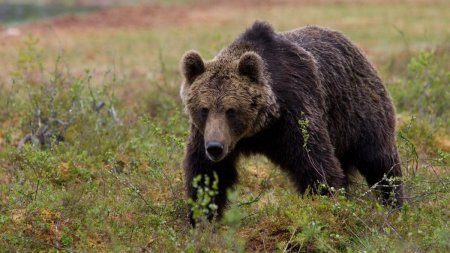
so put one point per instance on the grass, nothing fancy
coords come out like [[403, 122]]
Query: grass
[[100, 167]]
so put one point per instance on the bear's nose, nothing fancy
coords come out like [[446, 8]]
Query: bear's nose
[[214, 149]]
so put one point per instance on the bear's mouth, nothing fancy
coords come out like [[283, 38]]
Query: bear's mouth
[[214, 159]]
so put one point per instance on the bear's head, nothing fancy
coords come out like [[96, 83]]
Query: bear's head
[[227, 99]]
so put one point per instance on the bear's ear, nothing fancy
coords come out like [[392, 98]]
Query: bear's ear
[[251, 65], [192, 66]]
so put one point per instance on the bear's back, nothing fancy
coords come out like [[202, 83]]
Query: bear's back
[[353, 89], [333, 52]]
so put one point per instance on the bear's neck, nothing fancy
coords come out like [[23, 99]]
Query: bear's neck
[[265, 118]]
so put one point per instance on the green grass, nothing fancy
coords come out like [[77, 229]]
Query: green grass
[[115, 183]]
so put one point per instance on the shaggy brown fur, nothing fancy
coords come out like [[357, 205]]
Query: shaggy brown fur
[[250, 97]]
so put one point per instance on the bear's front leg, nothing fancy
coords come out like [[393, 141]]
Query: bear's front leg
[[196, 163]]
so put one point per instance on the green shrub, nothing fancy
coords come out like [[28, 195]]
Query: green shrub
[[426, 90]]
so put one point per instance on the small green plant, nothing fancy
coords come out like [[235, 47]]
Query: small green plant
[[304, 124], [30, 59], [202, 208], [204, 205]]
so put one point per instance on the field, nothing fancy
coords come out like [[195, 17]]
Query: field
[[92, 133]]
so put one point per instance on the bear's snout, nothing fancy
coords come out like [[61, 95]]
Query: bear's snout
[[217, 137]]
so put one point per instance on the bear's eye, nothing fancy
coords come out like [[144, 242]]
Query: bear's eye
[[204, 113], [231, 113]]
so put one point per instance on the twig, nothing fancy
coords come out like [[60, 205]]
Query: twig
[[290, 239], [56, 237], [24, 140], [253, 200], [37, 189], [386, 222]]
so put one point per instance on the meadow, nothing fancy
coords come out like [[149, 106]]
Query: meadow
[[92, 133]]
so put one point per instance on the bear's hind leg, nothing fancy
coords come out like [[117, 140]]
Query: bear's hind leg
[[317, 169], [322, 173], [382, 171], [310, 166]]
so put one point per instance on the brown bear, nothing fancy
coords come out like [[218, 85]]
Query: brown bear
[[308, 99]]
